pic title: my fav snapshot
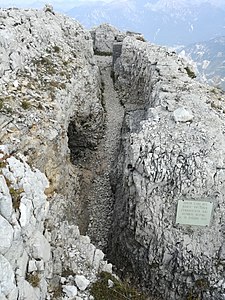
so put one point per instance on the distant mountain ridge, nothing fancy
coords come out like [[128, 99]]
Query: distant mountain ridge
[[209, 57], [165, 22]]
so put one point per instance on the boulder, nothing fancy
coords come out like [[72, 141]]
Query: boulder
[[6, 235], [81, 282], [40, 247], [7, 277], [70, 290], [104, 36]]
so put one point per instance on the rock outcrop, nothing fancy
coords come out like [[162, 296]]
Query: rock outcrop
[[25, 253], [50, 100], [104, 36], [172, 149], [59, 135]]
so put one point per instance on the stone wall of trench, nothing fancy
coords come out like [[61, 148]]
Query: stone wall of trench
[[49, 83], [172, 149]]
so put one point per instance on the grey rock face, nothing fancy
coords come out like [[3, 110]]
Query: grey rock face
[[104, 36], [50, 100], [22, 238], [172, 149]]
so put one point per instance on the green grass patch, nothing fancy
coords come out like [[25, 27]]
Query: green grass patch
[[190, 73], [1, 104], [101, 289], [102, 53], [16, 197], [33, 279], [25, 104], [2, 164]]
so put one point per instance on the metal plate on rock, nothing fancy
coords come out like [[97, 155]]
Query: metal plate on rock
[[194, 212]]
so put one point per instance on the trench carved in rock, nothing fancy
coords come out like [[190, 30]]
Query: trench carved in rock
[[94, 162]]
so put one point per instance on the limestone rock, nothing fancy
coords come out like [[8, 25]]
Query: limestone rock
[[40, 247], [26, 291], [6, 235], [53, 118], [98, 257], [7, 277], [160, 163], [70, 290], [110, 283], [51, 114], [104, 36], [32, 266], [81, 282], [182, 115], [23, 183], [5, 200]]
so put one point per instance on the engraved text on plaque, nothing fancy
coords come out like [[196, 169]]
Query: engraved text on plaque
[[194, 212]]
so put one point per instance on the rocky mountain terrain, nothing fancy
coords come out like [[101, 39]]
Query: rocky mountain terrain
[[209, 58], [102, 134], [49, 83], [173, 130]]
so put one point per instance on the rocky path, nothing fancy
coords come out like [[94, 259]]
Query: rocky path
[[100, 200]]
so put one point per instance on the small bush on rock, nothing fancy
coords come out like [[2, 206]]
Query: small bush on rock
[[190, 73], [1, 104], [25, 104], [16, 197], [33, 279]]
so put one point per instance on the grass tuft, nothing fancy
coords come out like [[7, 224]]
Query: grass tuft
[[190, 73], [25, 104], [119, 291], [16, 197], [33, 279]]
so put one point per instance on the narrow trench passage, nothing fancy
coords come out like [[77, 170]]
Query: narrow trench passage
[[100, 198], [96, 201]]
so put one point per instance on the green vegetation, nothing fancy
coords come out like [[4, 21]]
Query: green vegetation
[[16, 197], [102, 53], [33, 279], [47, 64], [214, 91], [190, 73], [1, 104], [25, 104], [201, 285], [4, 107], [119, 290], [57, 293], [2, 164], [67, 273], [57, 84], [140, 38], [56, 49], [8, 110]]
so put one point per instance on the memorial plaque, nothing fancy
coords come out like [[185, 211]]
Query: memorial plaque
[[194, 212]]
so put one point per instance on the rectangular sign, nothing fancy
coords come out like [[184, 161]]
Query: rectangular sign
[[194, 212]]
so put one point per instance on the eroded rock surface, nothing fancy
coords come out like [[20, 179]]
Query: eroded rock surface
[[172, 149], [22, 238], [50, 108], [60, 120], [104, 36]]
